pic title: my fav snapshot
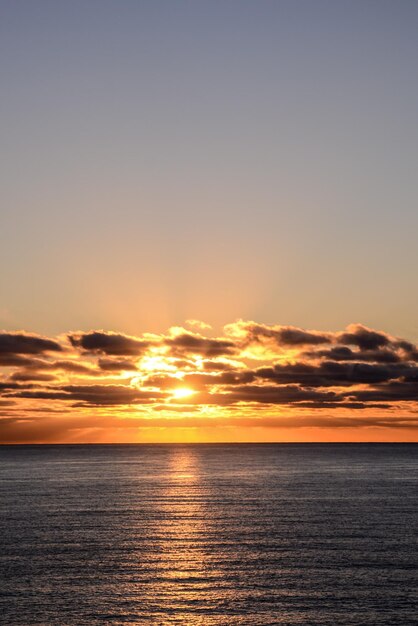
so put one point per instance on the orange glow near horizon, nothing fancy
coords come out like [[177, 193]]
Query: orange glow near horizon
[[254, 383]]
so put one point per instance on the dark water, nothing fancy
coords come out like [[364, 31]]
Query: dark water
[[209, 534]]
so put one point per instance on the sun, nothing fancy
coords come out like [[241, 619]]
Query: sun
[[182, 392]]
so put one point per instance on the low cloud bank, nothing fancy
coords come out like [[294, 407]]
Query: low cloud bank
[[355, 378]]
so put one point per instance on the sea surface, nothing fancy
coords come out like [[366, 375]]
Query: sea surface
[[209, 534]]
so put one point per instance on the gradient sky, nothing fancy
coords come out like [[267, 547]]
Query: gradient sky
[[213, 160], [172, 160]]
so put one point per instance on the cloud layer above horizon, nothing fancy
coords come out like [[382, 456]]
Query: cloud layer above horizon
[[255, 382]]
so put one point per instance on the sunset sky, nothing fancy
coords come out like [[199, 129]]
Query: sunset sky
[[208, 220]]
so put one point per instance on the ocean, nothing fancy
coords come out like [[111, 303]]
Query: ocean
[[228, 534]]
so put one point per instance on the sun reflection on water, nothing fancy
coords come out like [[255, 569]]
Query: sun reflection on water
[[188, 573]]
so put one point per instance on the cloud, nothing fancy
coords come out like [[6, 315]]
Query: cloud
[[13, 360], [354, 372], [190, 343], [248, 333], [75, 367], [343, 353], [274, 394], [5, 386], [92, 394], [25, 343], [394, 391], [198, 324], [331, 373], [31, 375], [111, 365], [363, 337], [102, 342]]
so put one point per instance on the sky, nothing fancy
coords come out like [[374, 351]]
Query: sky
[[213, 161]]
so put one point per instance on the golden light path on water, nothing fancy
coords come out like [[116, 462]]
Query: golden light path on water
[[189, 577]]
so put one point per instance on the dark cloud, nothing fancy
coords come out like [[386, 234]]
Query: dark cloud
[[352, 406], [343, 353], [111, 365], [358, 370], [189, 343], [199, 380], [235, 378], [334, 374], [101, 342], [73, 367], [34, 367], [6, 385], [288, 336], [270, 394], [411, 352], [222, 378], [24, 343], [93, 394], [31, 375], [394, 391], [405, 345], [14, 360], [33, 363], [363, 337]]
